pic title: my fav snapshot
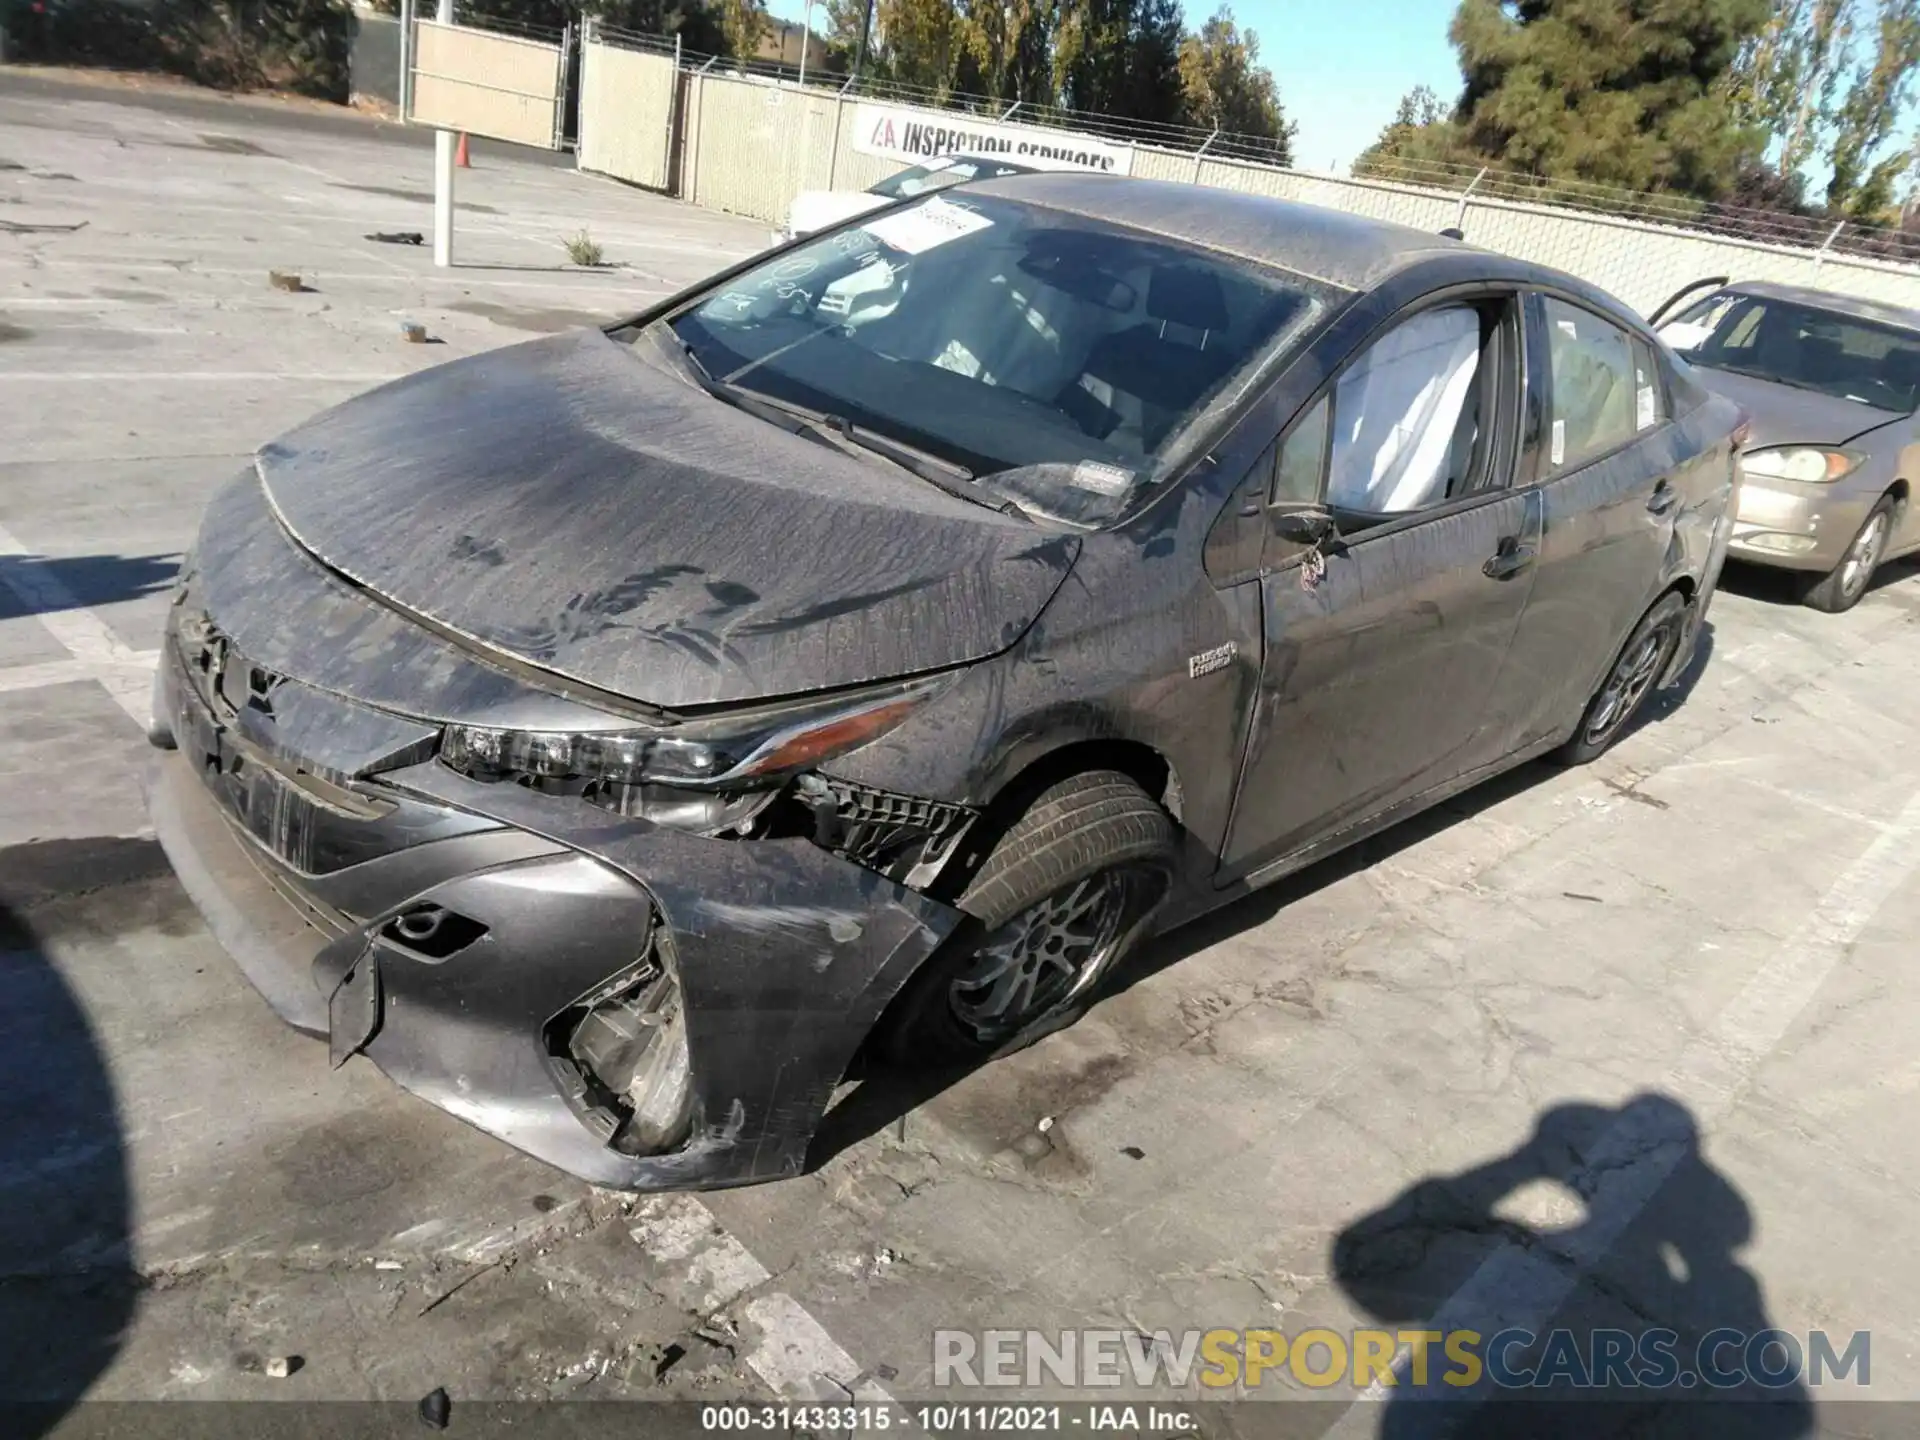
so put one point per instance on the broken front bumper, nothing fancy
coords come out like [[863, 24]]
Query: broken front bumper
[[785, 955]]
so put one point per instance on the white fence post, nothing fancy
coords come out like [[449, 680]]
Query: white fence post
[[1201, 154], [1460, 215], [443, 177], [1820, 255], [406, 59]]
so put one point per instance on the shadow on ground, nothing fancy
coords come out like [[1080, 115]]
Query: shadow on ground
[[67, 1284], [884, 1095], [1640, 1307], [45, 584]]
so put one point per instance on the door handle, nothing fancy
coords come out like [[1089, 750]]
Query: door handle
[[1663, 499], [1509, 560]]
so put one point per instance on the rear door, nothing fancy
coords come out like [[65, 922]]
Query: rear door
[[1377, 667], [1612, 476]]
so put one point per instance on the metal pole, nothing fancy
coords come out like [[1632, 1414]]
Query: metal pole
[[443, 176], [866, 29], [1201, 154], [1010, 109], [1820, 255], [1460, 215], [806, 34], [406, 59]]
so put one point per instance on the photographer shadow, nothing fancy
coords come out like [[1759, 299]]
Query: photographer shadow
[[1604, 1227]]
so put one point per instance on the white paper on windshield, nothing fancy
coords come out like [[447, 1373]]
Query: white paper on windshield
[[1644, 411], [1684, 334], [1102, 479], [1559, 455], [924, 226]]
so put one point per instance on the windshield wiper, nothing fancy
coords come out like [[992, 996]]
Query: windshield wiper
[[840, 432]]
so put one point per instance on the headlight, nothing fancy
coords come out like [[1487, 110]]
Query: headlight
[[1811, 464], [705, 775]]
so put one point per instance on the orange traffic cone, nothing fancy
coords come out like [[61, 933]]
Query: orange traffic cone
[[460, 155]]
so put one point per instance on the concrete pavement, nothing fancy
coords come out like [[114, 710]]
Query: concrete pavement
[[1643, 1024]]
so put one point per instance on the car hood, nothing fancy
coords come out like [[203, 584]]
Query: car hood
[[574, 504], [817, 209], [1788, 415]]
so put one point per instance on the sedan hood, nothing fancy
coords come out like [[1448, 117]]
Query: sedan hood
[[1788, 415], [571, 504]]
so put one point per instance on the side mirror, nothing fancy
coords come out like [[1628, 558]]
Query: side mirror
[[1305, 527]]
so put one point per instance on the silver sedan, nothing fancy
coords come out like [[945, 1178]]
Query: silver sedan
[[1831, 383]]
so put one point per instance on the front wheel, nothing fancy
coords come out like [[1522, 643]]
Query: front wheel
[[1064, 893], [1636, 670], [1841, 588]]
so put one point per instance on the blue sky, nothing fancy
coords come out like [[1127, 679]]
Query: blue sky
[[1341, 65]]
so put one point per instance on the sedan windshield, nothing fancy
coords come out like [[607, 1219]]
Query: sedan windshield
[[1802, 346], [939, 175], [1053, 359]]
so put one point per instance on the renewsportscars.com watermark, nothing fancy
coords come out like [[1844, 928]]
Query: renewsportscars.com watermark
[[1652, 1359]]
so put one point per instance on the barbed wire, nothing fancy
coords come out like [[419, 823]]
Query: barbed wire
[[1453, 179]]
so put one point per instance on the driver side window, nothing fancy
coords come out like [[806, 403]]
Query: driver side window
[[1408, 422]]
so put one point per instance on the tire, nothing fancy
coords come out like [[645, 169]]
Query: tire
[[1629, 680], [1061, 896], [1841, 587]]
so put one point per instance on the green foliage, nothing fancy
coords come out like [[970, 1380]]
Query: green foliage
[[1632, 93], [1224, 84], [298, 45], [584, 250], [1122, 57], [1861, 188]]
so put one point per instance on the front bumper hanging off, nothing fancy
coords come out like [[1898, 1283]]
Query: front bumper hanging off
[[457, 935]]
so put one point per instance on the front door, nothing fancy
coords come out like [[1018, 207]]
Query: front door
[[1383, 644]]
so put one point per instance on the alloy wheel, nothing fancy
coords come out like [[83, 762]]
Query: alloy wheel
[[1045, 957], [1863, 556], [1632, 677]]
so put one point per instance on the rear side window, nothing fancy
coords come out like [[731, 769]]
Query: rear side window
[[1595, 386], [1649, 395]]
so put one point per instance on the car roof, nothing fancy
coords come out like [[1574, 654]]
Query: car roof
[[1354, 252], [1849, 305]]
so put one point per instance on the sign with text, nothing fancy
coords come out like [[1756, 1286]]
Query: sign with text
[[899, 132]]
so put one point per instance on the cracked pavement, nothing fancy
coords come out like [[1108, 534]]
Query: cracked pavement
[[1330, 1105]]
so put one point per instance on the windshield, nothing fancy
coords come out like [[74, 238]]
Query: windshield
[[1802, 346], [1058, 360], [939, 175]]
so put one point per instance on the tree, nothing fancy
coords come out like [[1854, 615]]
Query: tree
[[745, 25], [1862, 188], [1224, 85], [917, 42], [1121, 57], [1422, 132], [1786, 78], [1634, 93]]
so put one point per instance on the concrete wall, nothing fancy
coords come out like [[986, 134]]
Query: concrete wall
[[750, 146], [486, 84]]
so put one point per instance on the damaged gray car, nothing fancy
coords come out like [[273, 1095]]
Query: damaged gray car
[[613, 737]]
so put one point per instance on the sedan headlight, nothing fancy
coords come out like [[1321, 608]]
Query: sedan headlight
[[1810, 464], [705, 775]]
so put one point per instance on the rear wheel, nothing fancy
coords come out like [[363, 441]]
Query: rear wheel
[[1636, 670], [1841, 587], [1062, 895]]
